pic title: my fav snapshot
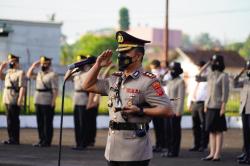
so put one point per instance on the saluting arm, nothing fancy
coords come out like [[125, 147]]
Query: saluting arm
[[32, 67], [2, 67], [89, 84]]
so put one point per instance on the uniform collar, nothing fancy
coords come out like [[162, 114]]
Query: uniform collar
[[136, 73]]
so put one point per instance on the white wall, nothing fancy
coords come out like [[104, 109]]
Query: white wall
[[39, 38]]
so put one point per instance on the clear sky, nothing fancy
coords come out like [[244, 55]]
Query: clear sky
[[228, 20]]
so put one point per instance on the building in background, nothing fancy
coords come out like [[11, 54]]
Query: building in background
[[155, 49], [30, 40]]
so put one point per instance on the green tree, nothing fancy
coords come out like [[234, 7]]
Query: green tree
[[88, 44], [234, 46], [203, 41], [124, 19], [245, 50]]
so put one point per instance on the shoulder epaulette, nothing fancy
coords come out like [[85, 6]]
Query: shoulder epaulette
[[118, 73], [150, 75]]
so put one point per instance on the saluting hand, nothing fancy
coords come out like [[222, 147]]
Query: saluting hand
[[104, 59], [4, 65], [36, 63]]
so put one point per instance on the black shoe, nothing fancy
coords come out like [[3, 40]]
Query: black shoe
[[9, 142], [207, 158], [37, 145], [214, 159], [91, 144], [244, 161], [241, 156], [157, 149], [201, 149], [171, 155], [194, 149]]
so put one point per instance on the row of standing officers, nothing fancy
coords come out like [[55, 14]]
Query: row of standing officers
[[134, 97], [44, 99]]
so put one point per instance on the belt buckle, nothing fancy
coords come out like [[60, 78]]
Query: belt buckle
[[111, 124]]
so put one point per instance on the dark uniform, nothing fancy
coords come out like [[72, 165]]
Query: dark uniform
[[158, 122], [14, 81], [80, 111], [175, 90], [198, 97], [46, 84], [128, 140], [244, 83]]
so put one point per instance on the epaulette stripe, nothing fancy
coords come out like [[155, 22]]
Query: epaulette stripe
[[150, 75]]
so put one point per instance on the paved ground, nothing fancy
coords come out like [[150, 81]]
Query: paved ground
[[26, 155]]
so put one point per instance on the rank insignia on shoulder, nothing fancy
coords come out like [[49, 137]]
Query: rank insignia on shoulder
[[157, 87], [118, 73], [150, 75]]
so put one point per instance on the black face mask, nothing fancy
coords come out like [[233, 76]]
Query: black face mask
[[174, 74], [124, 61], [11, 65], [44, 68], [214, 67], [248, 74]]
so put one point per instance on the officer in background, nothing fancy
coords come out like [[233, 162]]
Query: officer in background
[[14, 89], [215, 104], [92, 109], [80, 103], [196, 107], [158, 122], [133, 97], [176, 91], [244, 83], [45, 99]]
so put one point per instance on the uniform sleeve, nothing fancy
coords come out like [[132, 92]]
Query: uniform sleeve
[[54, 82], [22, 80], [102, 86], [155, 96], [181, 95], [225, 88]]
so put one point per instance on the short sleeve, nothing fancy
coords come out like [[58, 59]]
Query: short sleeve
[[22, 79], [154, 95], [102, 86], [54, 82]]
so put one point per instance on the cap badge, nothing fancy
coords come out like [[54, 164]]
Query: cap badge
[[120, 38]]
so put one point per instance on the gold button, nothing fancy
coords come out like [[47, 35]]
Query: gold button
[[112, 132]]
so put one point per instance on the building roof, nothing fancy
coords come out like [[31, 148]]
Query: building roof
[[231, 58], [51, 23]]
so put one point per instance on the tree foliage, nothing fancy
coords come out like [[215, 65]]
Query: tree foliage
[[206, 42], [124, 19], [245, 50], [89, 44]]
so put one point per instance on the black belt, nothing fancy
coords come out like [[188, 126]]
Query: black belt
[[14, 88], [127, 126], [81, 91], [44, 90], [199, 102]]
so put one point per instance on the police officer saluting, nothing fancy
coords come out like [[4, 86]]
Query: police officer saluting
[[134, 96], [45, 99], [14, 87], [175, 90], [80, 110]]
